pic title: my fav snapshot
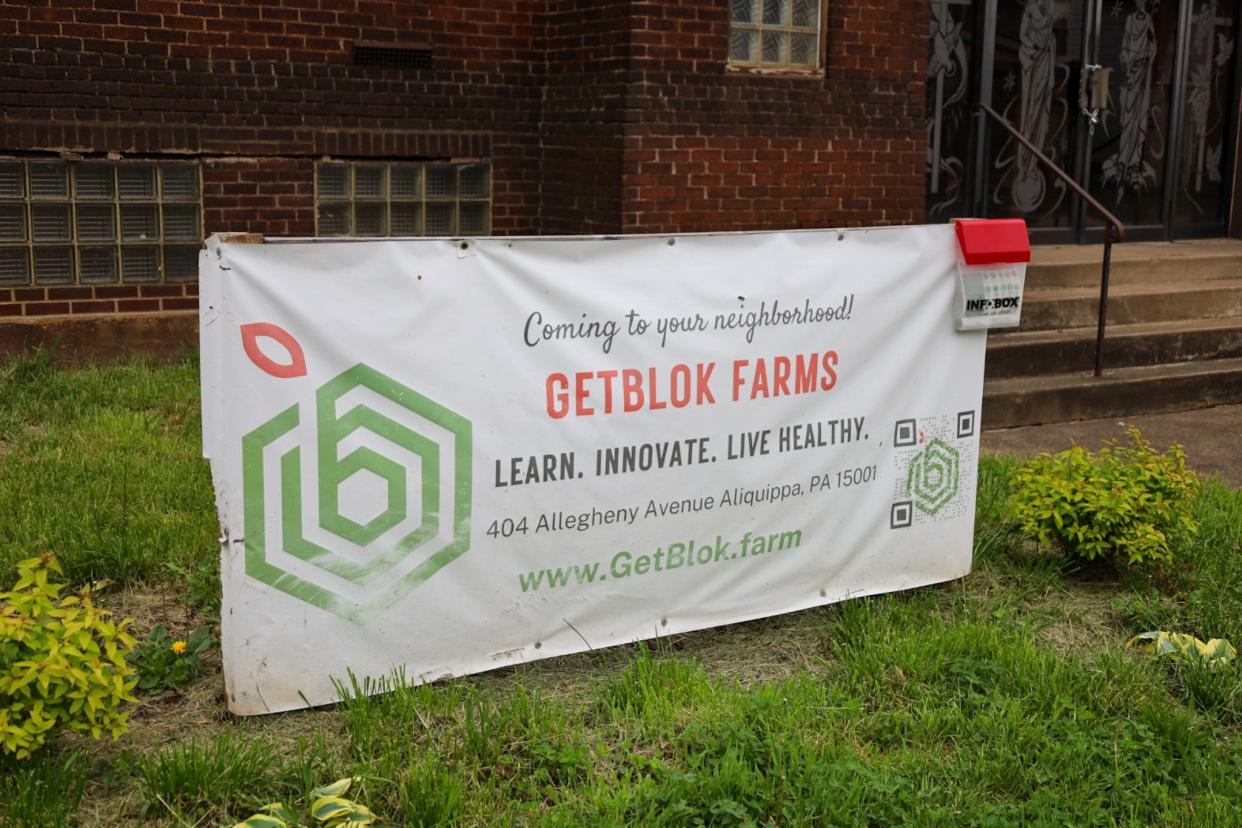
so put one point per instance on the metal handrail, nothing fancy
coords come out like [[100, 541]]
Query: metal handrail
[[1116, 231]]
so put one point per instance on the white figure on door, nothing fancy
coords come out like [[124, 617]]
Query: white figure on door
[[1128, 168], [1037, 56]]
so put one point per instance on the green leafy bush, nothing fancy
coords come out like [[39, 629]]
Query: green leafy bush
[[1127, 502], [165, 664], [62, 662]]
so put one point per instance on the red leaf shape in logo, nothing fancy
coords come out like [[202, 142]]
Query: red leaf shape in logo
[[250, 333]]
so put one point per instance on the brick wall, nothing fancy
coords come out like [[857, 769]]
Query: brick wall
[[59, 301], [708, 148], [646, 129], [596, 115], [273, 196], [584, 109], [260, 89]]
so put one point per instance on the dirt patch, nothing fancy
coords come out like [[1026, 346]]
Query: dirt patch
[[1080, 619], [152, 606], [771, 649]]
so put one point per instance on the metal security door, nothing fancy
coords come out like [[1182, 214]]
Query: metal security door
[[1159, 154], [1035, 75], [1207, 119], [1130, 147]]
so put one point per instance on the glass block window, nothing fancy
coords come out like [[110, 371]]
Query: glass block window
[[774, 34], [96, 222], [402, 199]]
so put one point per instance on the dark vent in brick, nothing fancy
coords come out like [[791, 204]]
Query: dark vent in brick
[[409, 56]]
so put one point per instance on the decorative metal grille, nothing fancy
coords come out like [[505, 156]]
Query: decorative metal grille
[[392, 55]]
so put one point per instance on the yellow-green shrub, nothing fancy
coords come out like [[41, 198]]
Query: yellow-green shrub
[[1128, 503], [62, 662]]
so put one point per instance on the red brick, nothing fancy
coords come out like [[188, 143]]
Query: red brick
[[115, 291], [137, 305], [95, 306], [46, 308], [146, 291], [69, 293]]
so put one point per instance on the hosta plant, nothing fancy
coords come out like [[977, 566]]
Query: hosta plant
[[1217, 652], [62, 662], [328, 809]]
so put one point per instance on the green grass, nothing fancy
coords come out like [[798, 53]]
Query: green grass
[[103, 466], [43, 792], [227, 772], [1006, 698], [962, 721], [1209, 584]]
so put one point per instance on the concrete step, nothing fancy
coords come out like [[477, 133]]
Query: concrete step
[[1144, 389], [1054, 266], [1032, 353], [1078, 307], [97, 338]]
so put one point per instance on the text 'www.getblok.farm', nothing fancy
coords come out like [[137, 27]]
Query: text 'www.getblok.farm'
[[671, 558]]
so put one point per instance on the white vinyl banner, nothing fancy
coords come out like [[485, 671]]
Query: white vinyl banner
[[443, 456]]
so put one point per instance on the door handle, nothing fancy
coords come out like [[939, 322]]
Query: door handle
[[1094, 93], [1099, 87]]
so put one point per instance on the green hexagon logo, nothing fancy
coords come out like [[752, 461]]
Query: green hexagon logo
[[933, 478], [356, 564]]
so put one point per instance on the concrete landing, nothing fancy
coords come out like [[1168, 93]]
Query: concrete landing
[[94, 338], [1210, 435]]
